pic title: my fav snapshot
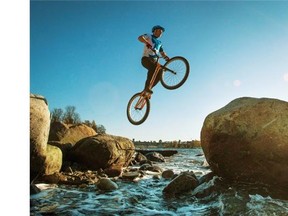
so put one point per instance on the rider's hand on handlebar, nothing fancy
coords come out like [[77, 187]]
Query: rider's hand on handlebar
[[166, 58]]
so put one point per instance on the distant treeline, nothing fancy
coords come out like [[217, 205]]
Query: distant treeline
[[70, 116], [167, 144]]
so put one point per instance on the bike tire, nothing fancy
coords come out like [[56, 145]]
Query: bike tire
[[181, 67], [136, 116]]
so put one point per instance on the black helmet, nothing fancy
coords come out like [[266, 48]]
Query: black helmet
[[158, 27]]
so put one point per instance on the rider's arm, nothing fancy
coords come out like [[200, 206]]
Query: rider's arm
[[142, 39], [164, 55]]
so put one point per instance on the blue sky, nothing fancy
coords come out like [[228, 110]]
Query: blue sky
[[86, 54]]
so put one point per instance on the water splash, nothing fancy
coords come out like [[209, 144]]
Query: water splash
[[145, 196]]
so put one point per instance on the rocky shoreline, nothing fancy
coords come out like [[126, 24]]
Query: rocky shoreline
[[106, 180], [245, 141], [77, 155]]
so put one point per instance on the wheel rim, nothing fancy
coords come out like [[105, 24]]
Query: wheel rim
[[180, 67], [136, 115]]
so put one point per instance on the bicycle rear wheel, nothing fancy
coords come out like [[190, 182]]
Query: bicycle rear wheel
[[138, 109], [175, 72]]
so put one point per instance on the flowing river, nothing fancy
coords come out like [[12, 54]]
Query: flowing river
[[145, 196]]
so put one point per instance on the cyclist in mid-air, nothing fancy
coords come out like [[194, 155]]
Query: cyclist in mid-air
[[149, 57]]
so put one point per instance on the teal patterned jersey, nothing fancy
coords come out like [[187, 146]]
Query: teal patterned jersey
[[156, 45]]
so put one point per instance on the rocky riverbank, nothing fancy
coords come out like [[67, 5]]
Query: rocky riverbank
[[245, 141]]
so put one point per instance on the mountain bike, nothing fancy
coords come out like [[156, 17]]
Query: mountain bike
[[174, 74]]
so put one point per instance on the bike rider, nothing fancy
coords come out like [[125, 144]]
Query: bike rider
[[149, 57]]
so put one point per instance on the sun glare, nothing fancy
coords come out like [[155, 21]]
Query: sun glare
[[285, 77], [236, 83]]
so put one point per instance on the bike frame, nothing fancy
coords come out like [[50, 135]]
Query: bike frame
[[138, 107], [141, 102], [145, 95]]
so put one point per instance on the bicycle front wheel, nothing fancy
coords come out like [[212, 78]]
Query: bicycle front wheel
[[138, 109], [175, 72]]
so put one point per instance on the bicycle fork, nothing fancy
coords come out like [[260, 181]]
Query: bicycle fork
[[141, 102]]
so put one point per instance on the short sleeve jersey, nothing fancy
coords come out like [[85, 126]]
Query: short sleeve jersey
[[156, 45]]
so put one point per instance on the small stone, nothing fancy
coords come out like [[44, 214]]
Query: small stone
[[106, 184], [168, 174]]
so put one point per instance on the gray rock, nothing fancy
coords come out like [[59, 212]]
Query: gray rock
[[155, 156], [106, 184], [184, 182]]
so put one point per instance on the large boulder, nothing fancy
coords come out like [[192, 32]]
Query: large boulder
[[64, 133], [247, 140], [39, 131], [103, 151], [53, 162], [57, 130]]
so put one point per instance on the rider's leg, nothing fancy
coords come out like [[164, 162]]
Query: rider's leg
[[158, 77], [150, 64]]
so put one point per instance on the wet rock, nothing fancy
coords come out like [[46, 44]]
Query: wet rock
[[34, 189], [205, 164], [185, 182], [140, 157], [145, 162], [145, 167], [131, 175], [155, 156], [155, 168], [106, 184], [168, 174], [113, 171], [208, 185], [165, 153], [206, 178], [54, 178], [247, 140], [43, 186], [71, 178], [156, 177]]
